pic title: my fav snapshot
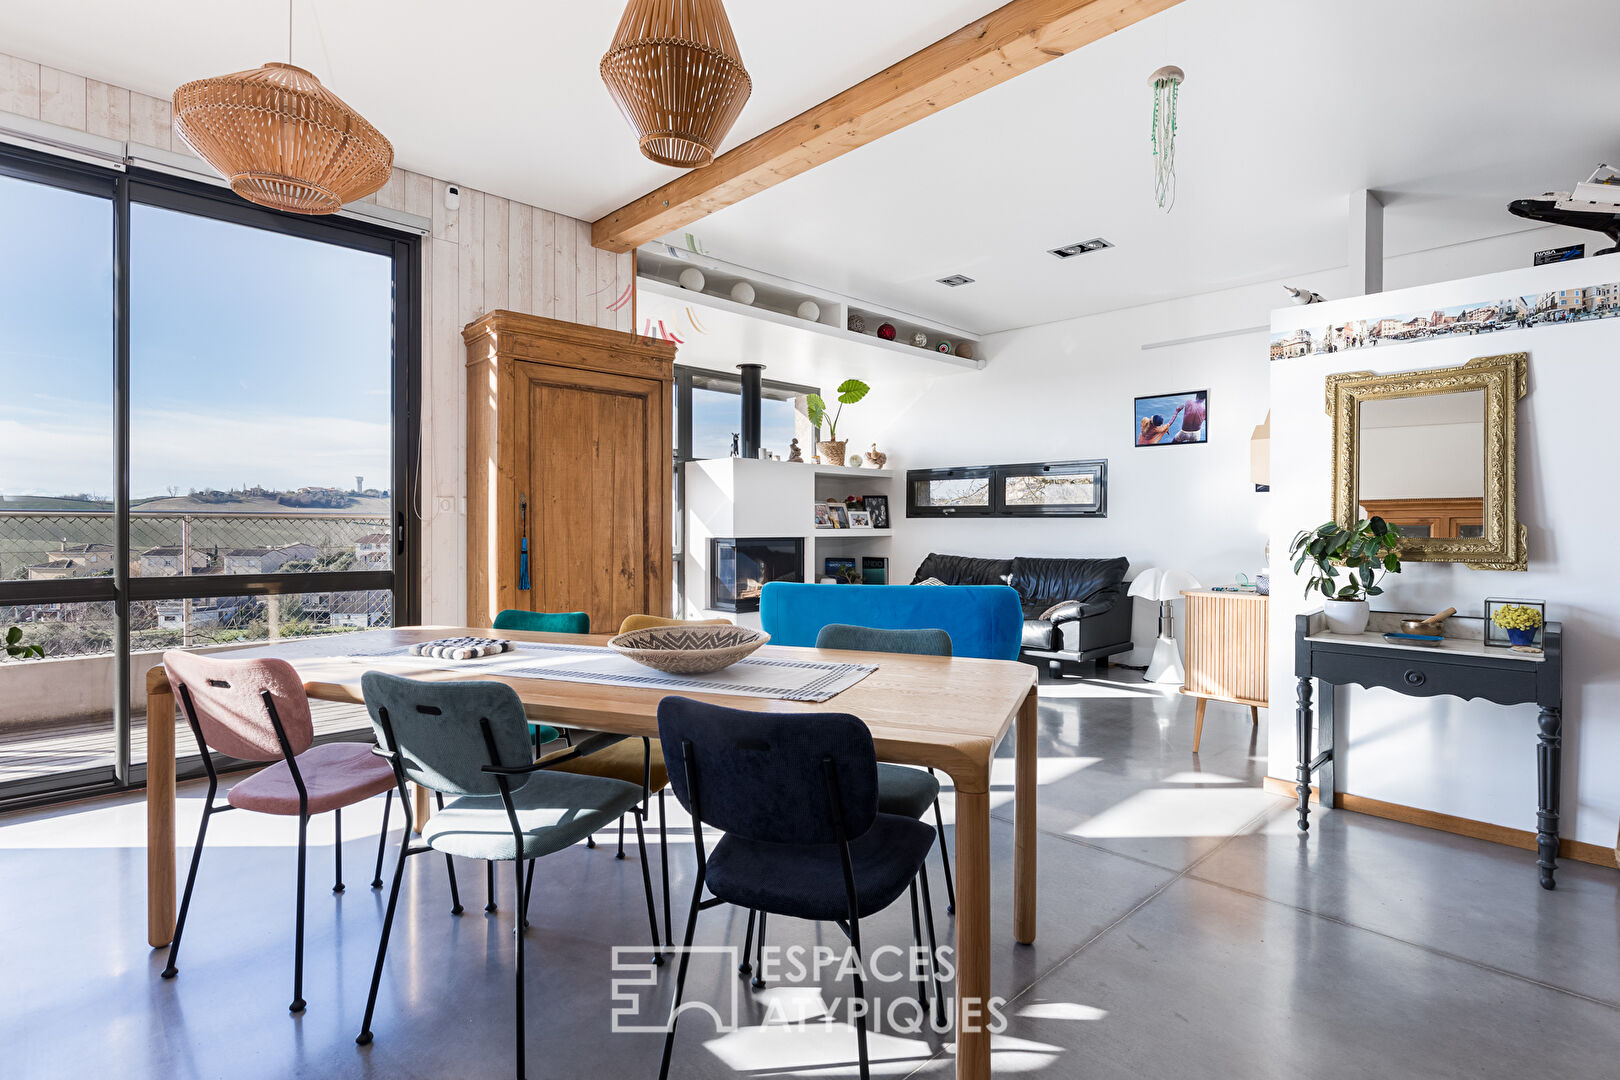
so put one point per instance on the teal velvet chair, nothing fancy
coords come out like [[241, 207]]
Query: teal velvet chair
[[544, 622], [470, 740]]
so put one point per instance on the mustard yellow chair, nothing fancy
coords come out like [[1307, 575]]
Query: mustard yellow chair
[[642, 622]]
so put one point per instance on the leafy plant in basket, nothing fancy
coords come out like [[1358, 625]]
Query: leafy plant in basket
[[1361, 553], [831, 449]]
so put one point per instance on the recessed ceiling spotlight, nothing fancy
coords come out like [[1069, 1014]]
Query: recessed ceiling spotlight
[[956, 280], [1071, 250]]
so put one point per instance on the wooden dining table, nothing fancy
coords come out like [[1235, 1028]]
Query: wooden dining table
[[940, 712]]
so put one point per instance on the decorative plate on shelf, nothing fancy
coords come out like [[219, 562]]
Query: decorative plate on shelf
[[689, 650]]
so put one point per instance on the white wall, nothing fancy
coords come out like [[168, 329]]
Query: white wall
[[1474, 759], [490, 253]]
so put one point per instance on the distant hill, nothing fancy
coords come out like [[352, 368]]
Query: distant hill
[[50, 502], [361, 505]]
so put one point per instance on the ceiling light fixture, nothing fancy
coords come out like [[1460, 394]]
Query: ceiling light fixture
[[675, 72], [282, 139], [1082, 248], [956, 281]]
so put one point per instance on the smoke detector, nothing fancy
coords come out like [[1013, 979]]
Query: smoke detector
[[956, 280], [1071, 250]]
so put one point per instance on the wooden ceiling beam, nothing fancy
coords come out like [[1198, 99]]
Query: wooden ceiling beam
[[1015, 38]]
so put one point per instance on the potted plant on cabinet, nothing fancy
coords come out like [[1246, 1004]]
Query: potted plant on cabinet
[[1363, 553], [831, 449]]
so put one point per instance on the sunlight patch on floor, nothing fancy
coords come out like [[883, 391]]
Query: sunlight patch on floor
[[1062, 1010], [820, 1049], [1175, 812], [1196, 777], [1048, 770]]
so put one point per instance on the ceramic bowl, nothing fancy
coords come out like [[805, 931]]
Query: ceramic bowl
[[689, 650]]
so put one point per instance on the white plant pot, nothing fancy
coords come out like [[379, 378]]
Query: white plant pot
[[1346, 616]]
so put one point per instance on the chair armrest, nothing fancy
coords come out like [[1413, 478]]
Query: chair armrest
[[1075, 610]]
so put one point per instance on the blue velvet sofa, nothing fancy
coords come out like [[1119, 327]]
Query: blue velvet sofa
[[986, 621]]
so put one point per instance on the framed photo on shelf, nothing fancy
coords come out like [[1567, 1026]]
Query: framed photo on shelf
[[824, 516], [860, 519], [878, 507], [1168, 419], [838, 515]]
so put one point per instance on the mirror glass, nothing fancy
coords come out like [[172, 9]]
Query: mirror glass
[[1421, 463]]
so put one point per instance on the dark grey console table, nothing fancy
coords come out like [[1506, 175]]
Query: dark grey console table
[[1464, 666]]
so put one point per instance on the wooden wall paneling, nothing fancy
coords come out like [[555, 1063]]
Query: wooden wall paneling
[[497, 257], [106, 110], [545, 264], [19, 86], [442, 410], [520, 257], [606, 291], [149, 121], [61, 98], [565, 285], [419, 195], [584, 276]]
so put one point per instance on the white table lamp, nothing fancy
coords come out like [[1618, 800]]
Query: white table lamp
[[1164, 586]]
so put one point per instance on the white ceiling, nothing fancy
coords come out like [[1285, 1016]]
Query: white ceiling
[[500, 95], [1450, 107]]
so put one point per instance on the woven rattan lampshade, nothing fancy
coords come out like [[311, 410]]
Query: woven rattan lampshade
[[282, 139], [675, 73]]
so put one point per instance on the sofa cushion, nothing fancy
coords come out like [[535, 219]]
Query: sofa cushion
[[1047, 581], [1039, 634], [964, 570]]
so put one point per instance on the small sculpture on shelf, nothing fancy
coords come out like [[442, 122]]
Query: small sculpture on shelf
[[876, 458], [886, 331], [794, 453], [854, 461], [857, 322], [920, 340], [965, 350]]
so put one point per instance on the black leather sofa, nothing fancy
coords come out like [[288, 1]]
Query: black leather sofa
[[1074, 609]]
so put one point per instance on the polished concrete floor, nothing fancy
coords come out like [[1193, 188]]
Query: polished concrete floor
[[1186, 930]]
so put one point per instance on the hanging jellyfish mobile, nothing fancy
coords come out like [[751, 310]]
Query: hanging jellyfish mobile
[[1166, 88]]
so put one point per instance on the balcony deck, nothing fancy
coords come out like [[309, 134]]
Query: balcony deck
[[52, 747]]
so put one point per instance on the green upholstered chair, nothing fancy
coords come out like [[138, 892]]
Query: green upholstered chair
[[471, 740], [544, 622]]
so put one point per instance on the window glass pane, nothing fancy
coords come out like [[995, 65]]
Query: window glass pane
[[57, 364], [717, 418], [56, 712], [952, 491], [260, 443]]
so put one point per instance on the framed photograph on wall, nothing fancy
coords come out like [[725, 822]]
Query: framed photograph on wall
[[878, 507], [1169, 419]]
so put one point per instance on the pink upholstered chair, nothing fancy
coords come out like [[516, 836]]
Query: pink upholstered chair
[[256, 710]]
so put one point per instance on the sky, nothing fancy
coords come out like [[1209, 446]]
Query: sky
[[716, 416], [255, 358]]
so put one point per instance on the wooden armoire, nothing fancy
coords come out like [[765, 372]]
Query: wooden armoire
[[571, 424]]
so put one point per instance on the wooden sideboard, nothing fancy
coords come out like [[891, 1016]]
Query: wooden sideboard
[[1436, 518], [568, 445], [1226, 651]]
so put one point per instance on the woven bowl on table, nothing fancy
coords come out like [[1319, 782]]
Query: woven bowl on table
[[689, 650]]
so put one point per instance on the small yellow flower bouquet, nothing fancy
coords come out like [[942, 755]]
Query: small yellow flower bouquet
[[1516, 617]]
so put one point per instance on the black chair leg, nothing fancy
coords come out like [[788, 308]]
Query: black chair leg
[[758, 983], [590, 843], [382, 838], [297, 1005], [455, 893], [382, 944], [620, 855], [663, 858], [528, 892], [933, 951], [859, 1005], [646, 884], [191, 879], [747, 965], [680, 976], [944, 859], [337, 850], [489, 886], [517, 878], [916, 936]]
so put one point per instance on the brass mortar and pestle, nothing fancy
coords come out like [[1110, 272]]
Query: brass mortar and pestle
[[1433, 626]]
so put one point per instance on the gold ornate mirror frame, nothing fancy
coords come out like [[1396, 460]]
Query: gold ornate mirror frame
[[1504, 379]]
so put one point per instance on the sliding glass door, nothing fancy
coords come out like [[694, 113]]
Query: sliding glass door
[[210, 440]]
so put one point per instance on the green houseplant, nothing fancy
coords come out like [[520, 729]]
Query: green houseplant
[[1361, 553], [16, 650], [831, 449]]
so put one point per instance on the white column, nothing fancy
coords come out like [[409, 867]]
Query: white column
[[1366, 243]]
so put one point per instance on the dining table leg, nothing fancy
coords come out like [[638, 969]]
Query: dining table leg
[[1024, 831], [159, 808], [973, 930]]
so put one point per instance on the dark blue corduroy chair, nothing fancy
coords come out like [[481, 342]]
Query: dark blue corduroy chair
[[471, 740], [797, 797]]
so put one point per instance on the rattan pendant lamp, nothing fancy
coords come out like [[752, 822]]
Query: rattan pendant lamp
[[282, 139], [675, 73]]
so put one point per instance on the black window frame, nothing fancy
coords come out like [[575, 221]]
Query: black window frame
[[127, 188], [958, 472]]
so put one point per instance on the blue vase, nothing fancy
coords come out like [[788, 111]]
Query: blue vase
[[1522, 637]]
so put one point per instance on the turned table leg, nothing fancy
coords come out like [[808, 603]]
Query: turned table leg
[[1549, 752], [1302, 731]]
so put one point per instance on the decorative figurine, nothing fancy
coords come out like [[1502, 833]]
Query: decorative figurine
[[944, 347], [886, 331], [794, 453], [920, 340], [876, 458], [854, 461], [736, 444], [857, 322]]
